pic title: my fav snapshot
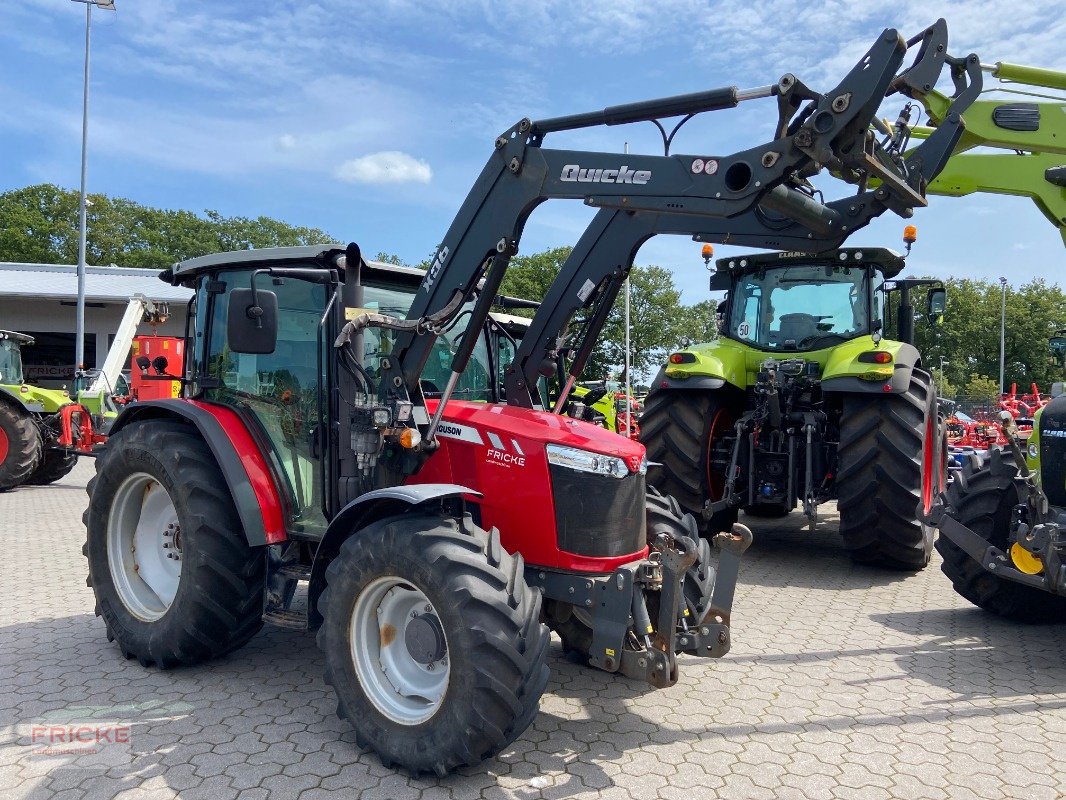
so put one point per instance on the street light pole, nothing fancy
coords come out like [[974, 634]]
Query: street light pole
[[628, 381], [1002, 331], [79, 326]]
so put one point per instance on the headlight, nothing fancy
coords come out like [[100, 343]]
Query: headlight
[[1034, 451], [584, 461]]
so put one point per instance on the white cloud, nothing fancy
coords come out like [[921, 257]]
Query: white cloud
[[286, 141], [388, 166]]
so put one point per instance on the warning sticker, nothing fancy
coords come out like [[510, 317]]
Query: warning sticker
[[697, 166], [585, 290]]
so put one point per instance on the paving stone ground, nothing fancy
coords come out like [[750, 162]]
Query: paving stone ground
[[843, 682]]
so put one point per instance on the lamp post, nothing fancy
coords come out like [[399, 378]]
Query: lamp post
[[1002, 330], [943, 361], [79, 327]]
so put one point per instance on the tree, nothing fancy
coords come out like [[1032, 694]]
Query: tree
[[944, 387], [40, 224], [982, 390], [390, 258], [969, 336], [659, 321]]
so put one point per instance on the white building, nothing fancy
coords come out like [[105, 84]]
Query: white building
[[41, 300]]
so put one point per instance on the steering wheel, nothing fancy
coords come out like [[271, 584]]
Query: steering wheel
[[809, 340]]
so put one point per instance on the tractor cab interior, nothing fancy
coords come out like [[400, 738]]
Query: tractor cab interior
[[802, 307]]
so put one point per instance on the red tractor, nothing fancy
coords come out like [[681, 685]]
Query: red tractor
[[323, 436]]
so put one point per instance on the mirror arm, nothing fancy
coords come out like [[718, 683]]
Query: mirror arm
[[255, 311]]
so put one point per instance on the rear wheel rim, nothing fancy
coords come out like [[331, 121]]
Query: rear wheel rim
[[399, 650], [4, 445], [716, 480], [144, 546], [928, 466]]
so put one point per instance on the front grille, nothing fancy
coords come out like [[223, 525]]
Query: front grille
[[1053, 451], [597, 515]]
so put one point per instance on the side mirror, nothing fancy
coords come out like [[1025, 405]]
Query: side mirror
[[938, 303], [252, 323], [1057, 347], [720, 281]]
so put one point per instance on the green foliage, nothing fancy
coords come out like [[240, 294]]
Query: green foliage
[[390, 258], [969, 336], [40, 224], [944, 387], [982, 389], [659, 321]]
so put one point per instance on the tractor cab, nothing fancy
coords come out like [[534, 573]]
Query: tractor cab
[[11, 373], [798, 302], [1057, 349]]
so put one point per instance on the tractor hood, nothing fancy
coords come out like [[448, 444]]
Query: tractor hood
[[36, 399], [499, 424]]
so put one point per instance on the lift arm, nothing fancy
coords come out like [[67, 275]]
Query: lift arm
[[814, 131]]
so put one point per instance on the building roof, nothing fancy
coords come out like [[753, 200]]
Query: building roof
[[102, 284]]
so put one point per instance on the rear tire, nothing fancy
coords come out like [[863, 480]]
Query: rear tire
[[54, 465], [888, 458], [217, 603], [488, 623], [20, 446], [677, 429], [982, 497]]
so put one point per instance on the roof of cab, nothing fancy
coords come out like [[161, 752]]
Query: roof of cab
[[186, 271], [888, 261]]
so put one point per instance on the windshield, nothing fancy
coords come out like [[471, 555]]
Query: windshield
[[10, 362], [800, 307]]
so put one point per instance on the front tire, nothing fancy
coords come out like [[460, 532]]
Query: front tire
[[174, 578], [411, 598], [680, 431], [20, 446], [982, 497], [888, 463], [663, 515]]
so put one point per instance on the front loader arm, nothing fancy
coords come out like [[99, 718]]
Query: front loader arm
[[1033, 134], [829, 130], [603, 257]]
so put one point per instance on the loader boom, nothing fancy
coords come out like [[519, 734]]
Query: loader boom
[[758, 195], [1033, 132]]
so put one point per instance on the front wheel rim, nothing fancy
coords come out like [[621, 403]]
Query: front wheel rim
[[144, 547], [399, 650]]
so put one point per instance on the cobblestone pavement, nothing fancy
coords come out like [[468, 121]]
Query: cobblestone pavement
[[843, 682]]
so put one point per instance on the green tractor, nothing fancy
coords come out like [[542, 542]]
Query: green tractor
[[1002, 520], [41, 430], [802, 399]]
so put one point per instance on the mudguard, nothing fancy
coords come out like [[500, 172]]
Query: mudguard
[[365, 509], [845, 373], [248, 476], [710, 365], [13, 397], [664, 381]]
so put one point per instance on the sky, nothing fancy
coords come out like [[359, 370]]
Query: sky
[[371, 120]]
